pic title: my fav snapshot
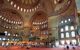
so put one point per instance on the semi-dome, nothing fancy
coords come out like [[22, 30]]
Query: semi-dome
[[10, 18]]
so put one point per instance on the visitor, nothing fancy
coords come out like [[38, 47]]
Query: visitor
[[67, 47], [73, 47]]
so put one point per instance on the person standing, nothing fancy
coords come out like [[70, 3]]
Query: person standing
[[73, 47], [67, 47]]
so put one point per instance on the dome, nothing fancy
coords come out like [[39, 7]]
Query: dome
[[27, 4], [11, 16], [10, 19]]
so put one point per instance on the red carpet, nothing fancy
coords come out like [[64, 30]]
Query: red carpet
[[21, 48]]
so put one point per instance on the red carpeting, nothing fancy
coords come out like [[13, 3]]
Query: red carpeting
[[3, 48], [22, 48], [16, 48]]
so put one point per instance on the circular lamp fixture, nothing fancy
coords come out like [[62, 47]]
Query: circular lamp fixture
[[25, 5]]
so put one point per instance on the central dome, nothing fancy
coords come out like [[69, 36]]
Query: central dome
[[28, 4]]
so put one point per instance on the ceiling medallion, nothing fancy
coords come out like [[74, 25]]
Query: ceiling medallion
[[25, 5]]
